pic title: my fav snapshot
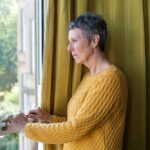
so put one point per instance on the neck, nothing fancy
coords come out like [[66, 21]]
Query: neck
[[97, 62]]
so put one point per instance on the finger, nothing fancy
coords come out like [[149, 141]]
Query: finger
[[34, 111], [12, 120], [32, 120], [22, 113], [9, 117], [32, 116]]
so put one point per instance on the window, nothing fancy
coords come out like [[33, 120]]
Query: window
[[30, 37], [30, 58]]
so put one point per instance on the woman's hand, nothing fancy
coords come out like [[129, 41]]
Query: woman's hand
[[39, 114], [17, 122]]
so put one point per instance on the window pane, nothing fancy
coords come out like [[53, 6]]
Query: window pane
[[8, 68], [22, 52]]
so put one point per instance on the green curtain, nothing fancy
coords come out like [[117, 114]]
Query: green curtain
[[128, 46]]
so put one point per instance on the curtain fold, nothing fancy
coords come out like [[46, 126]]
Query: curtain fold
[[146, 10], [128, 46]]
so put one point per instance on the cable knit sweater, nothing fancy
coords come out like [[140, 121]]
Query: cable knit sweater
[[95, 118]]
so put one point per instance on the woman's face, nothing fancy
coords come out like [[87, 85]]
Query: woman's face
[[79, 46]]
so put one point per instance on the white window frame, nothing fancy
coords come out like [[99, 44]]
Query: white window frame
[[33, 46], [23, 30], [41, 6]]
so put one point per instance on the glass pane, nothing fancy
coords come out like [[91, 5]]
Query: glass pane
[[26, 63], [9, 101], [21, 51]]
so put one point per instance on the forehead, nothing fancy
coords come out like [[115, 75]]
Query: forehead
[[76, 33]]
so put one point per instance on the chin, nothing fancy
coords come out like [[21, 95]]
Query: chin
[[78, 62]]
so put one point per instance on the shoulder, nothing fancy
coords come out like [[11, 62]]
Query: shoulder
[[112, 75]]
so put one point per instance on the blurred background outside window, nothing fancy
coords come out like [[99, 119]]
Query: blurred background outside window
[[21, 55]]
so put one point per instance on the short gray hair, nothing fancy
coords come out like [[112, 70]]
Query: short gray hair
[[91, 24]]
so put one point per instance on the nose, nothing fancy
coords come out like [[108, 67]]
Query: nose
[[69, 48]]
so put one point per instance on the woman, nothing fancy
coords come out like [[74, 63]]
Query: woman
[[96, 111]]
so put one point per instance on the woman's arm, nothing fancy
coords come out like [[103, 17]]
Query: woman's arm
[[57, 119], [99, 104]]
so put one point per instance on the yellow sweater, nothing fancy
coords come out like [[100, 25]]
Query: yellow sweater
[[95, 118]]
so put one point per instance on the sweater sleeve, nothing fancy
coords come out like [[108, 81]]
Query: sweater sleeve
[[57, 119], [98, 105]]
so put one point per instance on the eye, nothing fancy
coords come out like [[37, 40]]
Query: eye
[[73, 40]]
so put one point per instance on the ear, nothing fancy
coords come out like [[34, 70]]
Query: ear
[[95, 40]]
